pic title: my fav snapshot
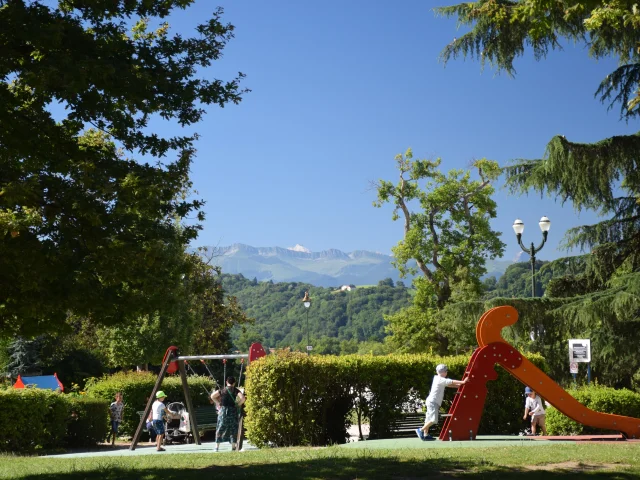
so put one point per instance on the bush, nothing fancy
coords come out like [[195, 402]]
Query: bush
[[35, 419], [597, 398], [32, 419], [87, 424], [136, 388], [294, 399]]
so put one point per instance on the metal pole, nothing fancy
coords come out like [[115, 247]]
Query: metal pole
[[533, 270], [143, 420], [193, 422], [588, 373], [308, 352]]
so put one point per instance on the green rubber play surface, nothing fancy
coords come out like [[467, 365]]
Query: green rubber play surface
[[480, 442]]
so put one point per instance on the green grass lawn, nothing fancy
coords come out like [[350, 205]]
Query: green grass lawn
[[592, 461]]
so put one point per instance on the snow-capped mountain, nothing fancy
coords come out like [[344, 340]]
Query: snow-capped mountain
[[329, 268]]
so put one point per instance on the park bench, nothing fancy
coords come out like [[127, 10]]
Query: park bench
[[206, 417], [406, 424]]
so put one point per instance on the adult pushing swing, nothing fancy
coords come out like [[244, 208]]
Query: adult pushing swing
[[173, 362]]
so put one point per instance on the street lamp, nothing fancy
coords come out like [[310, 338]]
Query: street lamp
[[518, 227], [306, 301]]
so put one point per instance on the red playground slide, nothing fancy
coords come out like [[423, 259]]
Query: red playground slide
[[468, 404]]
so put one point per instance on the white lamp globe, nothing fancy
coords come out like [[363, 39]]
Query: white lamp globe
[[518, 226], [545, 224]]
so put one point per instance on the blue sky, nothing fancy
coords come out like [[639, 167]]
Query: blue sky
[[339, 88]]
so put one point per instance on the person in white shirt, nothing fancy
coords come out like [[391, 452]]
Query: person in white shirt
[[533, 407], [158, 412], [434, 400]]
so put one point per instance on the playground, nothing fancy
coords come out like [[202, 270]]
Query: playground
[[461, 424], [458, 452]]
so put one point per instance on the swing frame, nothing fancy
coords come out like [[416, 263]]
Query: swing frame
[[172, 361]]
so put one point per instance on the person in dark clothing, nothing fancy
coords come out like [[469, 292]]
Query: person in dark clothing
[[229, 400]]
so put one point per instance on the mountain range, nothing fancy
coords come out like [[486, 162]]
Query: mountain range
[[329, 268]]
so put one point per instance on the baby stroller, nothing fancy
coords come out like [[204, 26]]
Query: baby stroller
[[178, 428]]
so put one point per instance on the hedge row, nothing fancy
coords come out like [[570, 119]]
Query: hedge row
[[597, 398], [34, 419], [295, 399], [136, 388]]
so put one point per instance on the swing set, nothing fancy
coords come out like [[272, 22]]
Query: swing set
[[174, 362]]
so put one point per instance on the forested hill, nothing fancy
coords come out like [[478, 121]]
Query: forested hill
[[353, 321], [338, 320]]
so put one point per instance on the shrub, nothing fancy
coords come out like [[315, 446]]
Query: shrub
[[136, 388], [87, 421], [598, 398], [294, 399], [32, 419]]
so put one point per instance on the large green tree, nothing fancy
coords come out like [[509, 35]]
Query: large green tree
[[447, 239], [603, 301], [85, 228], [199, 322]]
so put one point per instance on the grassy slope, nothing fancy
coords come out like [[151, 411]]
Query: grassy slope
[[340, 463]]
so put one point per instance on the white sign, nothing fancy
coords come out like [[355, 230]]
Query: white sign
[[309, 347], [579, 350], [573, 367]]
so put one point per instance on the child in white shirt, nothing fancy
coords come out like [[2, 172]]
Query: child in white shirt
[[158, 412], [434, 400], [533, 407]]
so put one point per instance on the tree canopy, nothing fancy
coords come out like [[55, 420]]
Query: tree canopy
[[601, 176], [86, 228], [602, 299], [338, 320], [449, 237], [502, 30]]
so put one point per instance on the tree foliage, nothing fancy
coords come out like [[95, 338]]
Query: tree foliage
[[200, 323], [602, 301], [449, 238], [338, 320], [24, 357], [502, 30], [84, 227]]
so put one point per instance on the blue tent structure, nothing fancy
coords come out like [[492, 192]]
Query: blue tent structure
[[45, 382]]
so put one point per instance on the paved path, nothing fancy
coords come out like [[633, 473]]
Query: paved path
[[208, 447]]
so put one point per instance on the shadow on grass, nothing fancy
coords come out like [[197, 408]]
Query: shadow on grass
[[338, 468]]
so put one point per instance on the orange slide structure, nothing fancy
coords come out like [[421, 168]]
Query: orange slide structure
[[468, 404]]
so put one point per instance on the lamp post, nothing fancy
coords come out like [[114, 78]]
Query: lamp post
[[306, 301], [518, 227]]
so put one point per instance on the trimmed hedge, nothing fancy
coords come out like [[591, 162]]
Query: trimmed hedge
[[34, 419], [136, 387], [598, 398], [86, 425], [295, 399]]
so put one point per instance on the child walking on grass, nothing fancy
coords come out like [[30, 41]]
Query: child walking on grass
[[115, 413], [434, 400]]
